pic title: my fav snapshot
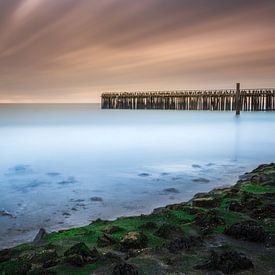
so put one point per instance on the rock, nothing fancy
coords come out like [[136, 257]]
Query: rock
[[231, 193], [201, 180], [44, 256], [5, 255], [191, 210], [183, 243], [267, 211], [111, 257], [144, 174], [83, 250], [124, 269], [149, 225], [96, 199], [200, 195], [134, 240], [105, 240], [79, 254], [111, 229], [250, 201], [15, 267], [50, 263], [158, 210], [248, 231], [4, 213], [270, 183], [176, 206], [206, 202], [169, 231], [76, 260], [227, 262], [66, 214], [235, 206], [259, 179], [209, 220], [39, 236], [270, 240], [171, 190]]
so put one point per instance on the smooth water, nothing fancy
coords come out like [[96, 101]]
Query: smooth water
[[66, 165]]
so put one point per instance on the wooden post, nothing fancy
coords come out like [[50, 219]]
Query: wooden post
[[238, 99]]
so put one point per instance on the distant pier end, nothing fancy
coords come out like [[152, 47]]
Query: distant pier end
[[213, 100]]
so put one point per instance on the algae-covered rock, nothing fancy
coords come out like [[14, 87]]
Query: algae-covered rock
[[209, 220], [125, 269], [149, 226], [39, 236], [267, 211], [105, 240], [227, 262], [235, 206], [169, 231], [248, 230], [79, 254], [81, 249], [16, 267], [76, 260], [44, 256], [111, 229], [206, 202], [5, 255], [250, 201], [134, 240]]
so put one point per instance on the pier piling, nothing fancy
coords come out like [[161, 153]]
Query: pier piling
[[213, 100]]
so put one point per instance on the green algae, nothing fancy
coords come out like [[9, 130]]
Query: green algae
[[256, 189]]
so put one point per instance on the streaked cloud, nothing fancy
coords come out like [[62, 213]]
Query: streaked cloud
[[71, 51]]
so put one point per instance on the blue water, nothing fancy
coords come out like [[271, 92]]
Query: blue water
[[66, 165]]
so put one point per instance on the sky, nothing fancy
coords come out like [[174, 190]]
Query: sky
[[73, 50]]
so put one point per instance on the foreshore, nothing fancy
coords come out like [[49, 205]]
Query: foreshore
[[227, 230]]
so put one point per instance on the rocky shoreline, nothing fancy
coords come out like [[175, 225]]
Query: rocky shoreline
[[225, 231]]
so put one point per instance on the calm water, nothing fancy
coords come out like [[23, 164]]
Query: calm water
[[66, 165]]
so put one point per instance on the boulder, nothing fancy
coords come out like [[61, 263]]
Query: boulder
[[248, 231], [228, 262], [39, 236], [134, 240]]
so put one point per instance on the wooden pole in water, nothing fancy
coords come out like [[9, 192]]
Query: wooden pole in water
[[238, 99]]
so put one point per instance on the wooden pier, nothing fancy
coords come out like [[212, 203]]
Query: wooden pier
[[212, 100]]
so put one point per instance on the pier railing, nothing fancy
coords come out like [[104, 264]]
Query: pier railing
[[213, 100]]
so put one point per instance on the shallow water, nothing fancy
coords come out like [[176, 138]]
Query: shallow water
[[66, 165]]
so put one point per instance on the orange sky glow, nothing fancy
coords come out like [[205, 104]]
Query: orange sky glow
[[72, 51]]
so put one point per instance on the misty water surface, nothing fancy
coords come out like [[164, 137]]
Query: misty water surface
[[66, 165]]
